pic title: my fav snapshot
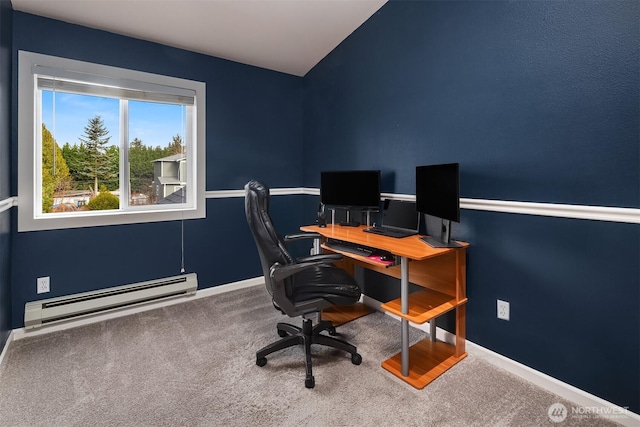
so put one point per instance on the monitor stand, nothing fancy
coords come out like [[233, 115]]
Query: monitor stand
[[348, 222], [444, 241]]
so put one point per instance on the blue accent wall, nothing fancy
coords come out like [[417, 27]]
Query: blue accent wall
[[6, 25], [537, 101], [253, 130]]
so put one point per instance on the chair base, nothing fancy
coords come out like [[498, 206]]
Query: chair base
[[307, 335]]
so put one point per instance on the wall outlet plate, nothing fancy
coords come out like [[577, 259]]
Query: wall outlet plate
[[43, 285], [503, 310]]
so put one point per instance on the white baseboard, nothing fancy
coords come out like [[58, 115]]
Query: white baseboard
[[586, 404], [6, 347]]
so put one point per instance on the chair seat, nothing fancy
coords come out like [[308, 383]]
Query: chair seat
[[327, 282]]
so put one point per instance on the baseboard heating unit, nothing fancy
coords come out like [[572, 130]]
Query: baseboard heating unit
[[43, 312]]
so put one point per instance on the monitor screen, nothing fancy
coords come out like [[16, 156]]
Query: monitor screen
[[438, 191], [350, 189]]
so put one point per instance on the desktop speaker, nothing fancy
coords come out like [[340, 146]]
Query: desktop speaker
[[322, 217]]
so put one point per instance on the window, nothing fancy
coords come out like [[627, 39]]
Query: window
[[99, 145]]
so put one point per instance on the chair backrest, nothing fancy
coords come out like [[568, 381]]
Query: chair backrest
[[271, 246]]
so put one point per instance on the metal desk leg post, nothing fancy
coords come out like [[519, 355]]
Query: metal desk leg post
[[316, 247], [404, 302]]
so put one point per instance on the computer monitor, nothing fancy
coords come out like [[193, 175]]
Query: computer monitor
[[351, 190], [438, 195]]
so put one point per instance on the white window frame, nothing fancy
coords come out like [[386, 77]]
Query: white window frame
[[30, 216]]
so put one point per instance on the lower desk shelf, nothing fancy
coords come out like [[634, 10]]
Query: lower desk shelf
[[341, 314], [424, 305], [427, 361]]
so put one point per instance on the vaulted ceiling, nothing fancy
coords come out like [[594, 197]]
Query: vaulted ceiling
[[290, 36]]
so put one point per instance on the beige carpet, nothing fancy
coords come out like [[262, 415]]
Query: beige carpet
[[193, 364]]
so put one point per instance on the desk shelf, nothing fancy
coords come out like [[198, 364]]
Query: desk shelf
[[427, 361], [424, 305], [339, 314]]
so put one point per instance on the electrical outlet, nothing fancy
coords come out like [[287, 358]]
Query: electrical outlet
[[42, 284], [503, 310]]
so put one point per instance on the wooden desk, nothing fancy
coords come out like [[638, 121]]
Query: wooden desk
[[441, 272]]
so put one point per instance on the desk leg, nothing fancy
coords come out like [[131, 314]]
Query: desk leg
[[404, 297]]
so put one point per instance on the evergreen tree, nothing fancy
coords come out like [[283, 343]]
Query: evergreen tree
[[112, 182], [75, 156], [55, 173], [175, 147], [97, 165], [141, 166]]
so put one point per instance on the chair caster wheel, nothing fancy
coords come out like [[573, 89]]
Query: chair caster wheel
[[356, 359], [310, 382], [282, 334], [332, 331], [261, 361]]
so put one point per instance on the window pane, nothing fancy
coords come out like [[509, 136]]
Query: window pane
[[157, 153], [80, 154]]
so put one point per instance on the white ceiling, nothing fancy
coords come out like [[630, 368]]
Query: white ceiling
[[290, 36]]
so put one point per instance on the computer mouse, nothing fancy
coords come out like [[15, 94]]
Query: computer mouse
[[386, 257]]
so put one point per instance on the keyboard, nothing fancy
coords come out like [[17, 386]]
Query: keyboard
[[390, 232], [352, 248]]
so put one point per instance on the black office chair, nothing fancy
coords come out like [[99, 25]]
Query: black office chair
[[301, 287]]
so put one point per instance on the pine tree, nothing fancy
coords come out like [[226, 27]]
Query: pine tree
[[175, 147], [112, 181], [140, 166], [97, 165], [75, 156]]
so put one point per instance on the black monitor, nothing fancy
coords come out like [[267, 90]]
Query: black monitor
[[351, 190], [438, 195]]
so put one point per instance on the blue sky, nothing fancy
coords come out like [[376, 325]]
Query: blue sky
[[153, 123]]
